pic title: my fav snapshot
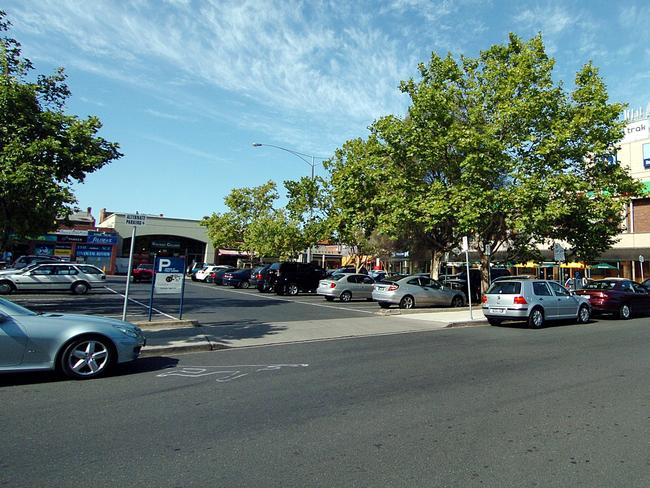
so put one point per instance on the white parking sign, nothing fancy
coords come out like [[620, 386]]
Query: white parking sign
[[168, 275]]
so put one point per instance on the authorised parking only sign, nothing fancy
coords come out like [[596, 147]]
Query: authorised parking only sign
[[168, 275]]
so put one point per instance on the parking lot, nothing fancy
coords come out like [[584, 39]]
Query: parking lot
[[207, 303]]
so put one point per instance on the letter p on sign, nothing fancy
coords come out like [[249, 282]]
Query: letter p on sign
[[163, 263]]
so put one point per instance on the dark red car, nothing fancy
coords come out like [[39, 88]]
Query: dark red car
[[618, 296], [144, 272]]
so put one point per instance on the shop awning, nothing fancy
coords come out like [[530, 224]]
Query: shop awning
[[529, 264]]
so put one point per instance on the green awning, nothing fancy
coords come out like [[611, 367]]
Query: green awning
[[646, 184], [602, 266]]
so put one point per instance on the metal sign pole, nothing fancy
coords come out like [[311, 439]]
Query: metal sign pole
[[469, 278], [180, 312], [128, 275], [153, 284]]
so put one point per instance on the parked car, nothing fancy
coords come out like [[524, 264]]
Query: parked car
[[646, 284], [144, 272], [256, 275], [346, 287], [263, 282], [377, 275], [618, 296], [78, 278], [535, 301], [415, 291], [204, 273], [216, 276], [342, 270], [80, 346], [195, 267], [475, 279], [239, 278], [24, 261], [291, 278]]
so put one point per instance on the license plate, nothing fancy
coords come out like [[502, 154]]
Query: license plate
[[497, 310]]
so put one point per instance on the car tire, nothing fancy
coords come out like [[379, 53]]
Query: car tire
[[292, 289], [346, 296], [194, 278], [79, 288], [457, 301], [492, 321], [584, 314], [384, 304], [6, 287], [244, 285], [329, 299], [625, 312], [536, 318], [87, 357], [205, 280], [407, 302]]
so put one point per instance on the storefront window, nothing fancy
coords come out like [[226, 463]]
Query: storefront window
[[646, 155]]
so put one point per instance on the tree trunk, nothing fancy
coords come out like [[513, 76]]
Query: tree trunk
[[485, 272], [436, 259]]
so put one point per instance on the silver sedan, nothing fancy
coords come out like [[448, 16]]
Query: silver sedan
[[346, 287], [80, 346], [416, 291]]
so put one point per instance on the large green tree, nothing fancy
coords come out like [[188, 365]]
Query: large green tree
[[43, 151], [493, 148]]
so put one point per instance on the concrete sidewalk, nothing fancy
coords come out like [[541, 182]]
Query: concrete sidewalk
[[168, 340]]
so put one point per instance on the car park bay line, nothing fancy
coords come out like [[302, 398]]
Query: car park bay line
[[141, 304], [282, 299]]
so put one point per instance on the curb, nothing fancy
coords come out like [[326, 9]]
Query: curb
[[467, 323], [167, 324], [152, 351], [414, 311]]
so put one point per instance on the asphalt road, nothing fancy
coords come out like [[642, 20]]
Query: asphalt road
[[486, 406]]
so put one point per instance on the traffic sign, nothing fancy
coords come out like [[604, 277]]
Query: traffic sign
[[136, 220], [168, 273]]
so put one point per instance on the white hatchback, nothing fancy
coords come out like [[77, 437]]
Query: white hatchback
[[204, 273], [78, 278]]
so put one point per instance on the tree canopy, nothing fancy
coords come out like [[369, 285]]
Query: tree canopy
[[492, 148], [43, 151]]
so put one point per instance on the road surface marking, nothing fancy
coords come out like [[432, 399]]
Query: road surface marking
[[231, 372], [141, 304]]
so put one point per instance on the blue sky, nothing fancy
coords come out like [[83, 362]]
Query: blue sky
[[186, 86]]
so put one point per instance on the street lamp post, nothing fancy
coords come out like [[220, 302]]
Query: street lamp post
[[311, 162]]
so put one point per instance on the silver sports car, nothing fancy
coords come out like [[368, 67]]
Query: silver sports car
[[80, 346]]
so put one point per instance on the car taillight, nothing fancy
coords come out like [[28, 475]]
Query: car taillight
[[258, 276], [392, 288], [520, 301], [484, 299], [213, 275], [332, 285]]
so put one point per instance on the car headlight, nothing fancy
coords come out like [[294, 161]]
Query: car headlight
[[127, 331]]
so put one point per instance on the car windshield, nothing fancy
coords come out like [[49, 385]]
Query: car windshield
[[10, 308], [337, 276], [505, 288], [600, 285]]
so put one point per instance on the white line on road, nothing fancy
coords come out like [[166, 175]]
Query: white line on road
[[141, 304], [267, 297]]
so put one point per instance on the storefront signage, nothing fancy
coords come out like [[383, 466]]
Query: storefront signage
[[636, 131], [166, 244], [135, 220], [94, 251], [100, 238]]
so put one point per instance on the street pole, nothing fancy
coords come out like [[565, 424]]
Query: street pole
[[128, 275], [469, 278]]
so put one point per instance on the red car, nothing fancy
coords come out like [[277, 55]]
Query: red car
[[144, 272], [618, 296]]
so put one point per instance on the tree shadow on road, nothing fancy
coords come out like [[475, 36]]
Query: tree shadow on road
[[217, 331]]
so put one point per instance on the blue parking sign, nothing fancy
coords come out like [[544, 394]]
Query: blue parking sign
[[170, 265]]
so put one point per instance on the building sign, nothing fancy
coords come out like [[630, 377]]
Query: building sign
[[636, 131], [135, 220], [93, 251], [101, 238], [166, 244], [168, 275]]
